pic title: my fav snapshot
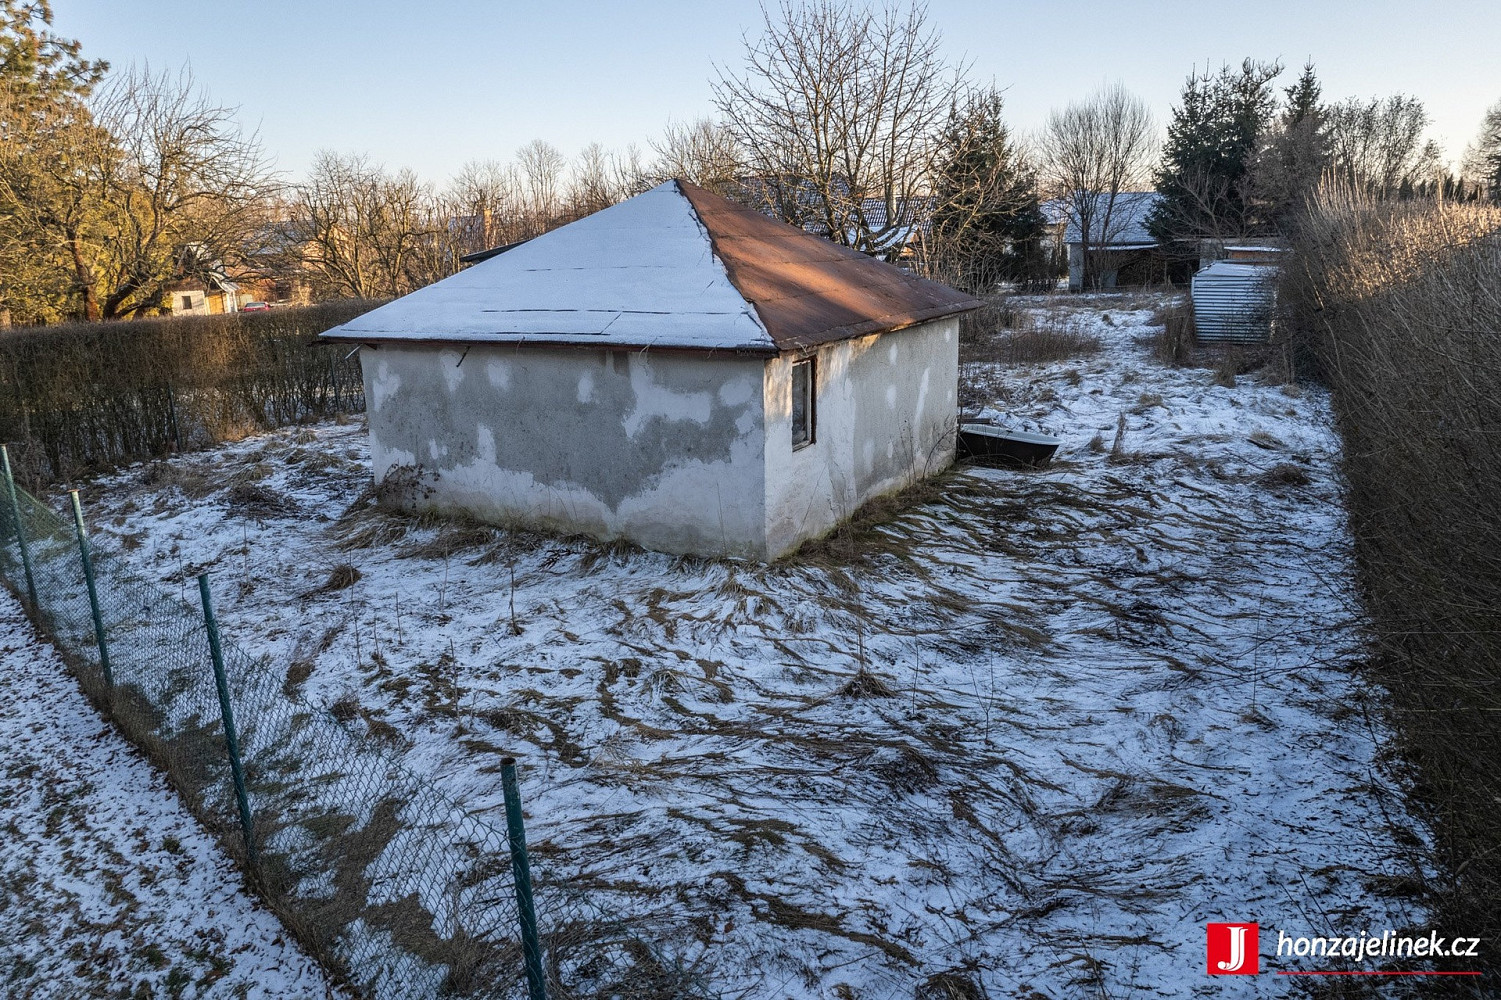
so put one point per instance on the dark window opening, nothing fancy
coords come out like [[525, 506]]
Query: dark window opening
[[802, 404]]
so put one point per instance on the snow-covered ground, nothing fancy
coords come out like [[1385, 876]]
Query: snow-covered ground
[[1032, 732], [107, 886]]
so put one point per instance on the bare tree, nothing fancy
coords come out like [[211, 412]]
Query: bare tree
[[540, 170], [487, 194], [151, 179], [1090, 153], [369, 233], [838, 110], [186, 185], [701, 151], [1377, 145], [1482, 157], [592, 184]]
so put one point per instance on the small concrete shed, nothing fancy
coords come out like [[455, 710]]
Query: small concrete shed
[[676, 370]]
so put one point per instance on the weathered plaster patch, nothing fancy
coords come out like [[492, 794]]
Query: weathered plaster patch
[[737, 392], [499, 373], [656, 400], [586, 387], [451, 364], [484, 444], [384, 385]]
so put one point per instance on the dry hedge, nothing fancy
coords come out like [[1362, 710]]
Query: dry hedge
[[90, 396], [1398, 307]]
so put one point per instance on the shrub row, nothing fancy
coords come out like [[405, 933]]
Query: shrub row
[[86, 397]]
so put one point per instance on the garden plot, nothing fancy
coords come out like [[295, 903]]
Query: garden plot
[[107, 885], [1028, 731]]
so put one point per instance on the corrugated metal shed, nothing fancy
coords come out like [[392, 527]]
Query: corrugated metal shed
[[1233, 302]]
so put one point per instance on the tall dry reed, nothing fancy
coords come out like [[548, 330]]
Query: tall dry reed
[[1398, 308]]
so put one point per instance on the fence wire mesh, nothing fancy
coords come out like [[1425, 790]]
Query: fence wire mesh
[[390, 884]]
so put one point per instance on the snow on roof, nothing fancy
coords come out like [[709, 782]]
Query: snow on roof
[[675, 267], [1128, 221], [1235, 269]]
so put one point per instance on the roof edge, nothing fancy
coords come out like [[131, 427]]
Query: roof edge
[[336, 335]]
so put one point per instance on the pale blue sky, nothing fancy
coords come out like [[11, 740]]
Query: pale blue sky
[[433, 84]]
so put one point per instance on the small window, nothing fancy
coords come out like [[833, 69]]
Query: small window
[[187, 302], [802, 404]]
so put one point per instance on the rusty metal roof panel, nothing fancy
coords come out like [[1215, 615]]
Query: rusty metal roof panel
[[808, 290]]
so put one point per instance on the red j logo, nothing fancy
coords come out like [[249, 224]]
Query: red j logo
[[1233, 950]]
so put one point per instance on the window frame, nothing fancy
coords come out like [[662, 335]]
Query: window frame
[[810, 403]]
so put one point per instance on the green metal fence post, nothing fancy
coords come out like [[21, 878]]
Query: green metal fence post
[[235, 770], [526, 911], [88, 578], [15, 513]]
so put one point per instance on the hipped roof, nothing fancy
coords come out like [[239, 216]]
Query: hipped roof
[[673, 268]]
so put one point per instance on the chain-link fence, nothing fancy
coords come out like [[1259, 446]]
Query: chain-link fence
[[391, 885]]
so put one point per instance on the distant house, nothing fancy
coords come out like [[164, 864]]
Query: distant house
[[276, 266], [200, 286], [1121, 251], [206, 296], [896, 238], [676, 370]]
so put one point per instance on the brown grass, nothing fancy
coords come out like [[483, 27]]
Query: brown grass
[[1175, 344], [1006, 333]]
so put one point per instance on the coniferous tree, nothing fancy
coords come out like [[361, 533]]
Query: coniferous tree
[[1294, 156], [1213, 140], [44, 120], [987, 224]]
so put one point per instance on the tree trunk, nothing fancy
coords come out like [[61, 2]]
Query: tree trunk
[[85, 278]]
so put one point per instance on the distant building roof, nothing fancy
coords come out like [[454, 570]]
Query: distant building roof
[[1128, 220], [676, 267]]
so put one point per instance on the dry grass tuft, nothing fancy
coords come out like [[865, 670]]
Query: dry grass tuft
[[1284, 474], [259, 502], [865, 685], [193, 482], [458, 536], [342, 577], [1175, 344], [952, 986], [1001, 332], [905, 771]]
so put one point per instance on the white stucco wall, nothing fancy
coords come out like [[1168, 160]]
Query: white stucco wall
[[884, 416], [661, 449], [677, 452]]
